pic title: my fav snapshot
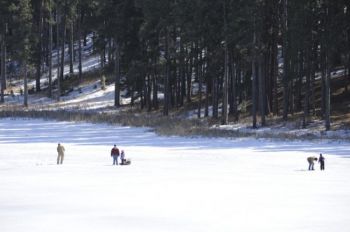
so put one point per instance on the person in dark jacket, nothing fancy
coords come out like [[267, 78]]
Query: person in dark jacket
[[115, 154], [321, 161], [311, 160]]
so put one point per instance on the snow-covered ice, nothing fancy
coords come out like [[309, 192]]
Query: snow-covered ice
[[173, 184]]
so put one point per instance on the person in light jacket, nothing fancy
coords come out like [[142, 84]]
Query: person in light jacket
[[311, 160], [122, 157], [60, 151]]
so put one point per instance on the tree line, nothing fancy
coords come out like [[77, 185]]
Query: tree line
[[269, 57]]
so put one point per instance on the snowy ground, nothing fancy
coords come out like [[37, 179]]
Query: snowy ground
[[174, 184]]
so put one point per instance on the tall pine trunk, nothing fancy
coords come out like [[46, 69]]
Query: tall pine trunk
[[326, 69], [25, 73], [182, 73], [307, 90], [50, 53], [224, 119], [326, 88], [262, 94], [58, 54], [254, 92], [3, 65], [235, 75], [274, 73], [215, 94], [117, 74], [286, 61], [155, 84], [80, 66], [313, 73], [199, 74], [207, 93], [71, 48], [149, 93], [63, 41], [189, 76], [328, 98], [39, 48], [254, 81], [167, 76]]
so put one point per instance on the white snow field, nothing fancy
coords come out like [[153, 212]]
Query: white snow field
[[173, 184]]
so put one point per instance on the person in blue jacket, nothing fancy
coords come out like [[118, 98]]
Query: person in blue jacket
[[321, 161]]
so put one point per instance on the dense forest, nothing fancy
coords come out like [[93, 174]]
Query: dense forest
[[265, 57]]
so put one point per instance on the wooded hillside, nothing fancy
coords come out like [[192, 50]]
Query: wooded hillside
[[265, 57]]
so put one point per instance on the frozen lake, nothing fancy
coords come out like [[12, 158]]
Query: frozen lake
[[173, 184]]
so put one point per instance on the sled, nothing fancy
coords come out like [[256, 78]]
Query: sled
[[126, 162]]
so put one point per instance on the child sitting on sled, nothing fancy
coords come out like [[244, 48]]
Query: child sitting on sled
[[123, 159]]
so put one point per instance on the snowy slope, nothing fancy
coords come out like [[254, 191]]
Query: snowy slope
[[174, 184]]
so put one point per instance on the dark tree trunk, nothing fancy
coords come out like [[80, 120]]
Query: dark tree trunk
[[286, 61], [189, 77], [109, 50], [326, 69], [262, 93], [274, 73], [254, 81], [155, 84], [182, 73], [39, 48], [167, 94], [215, 97], [199, 79], [328, 99], [300, 73], [142, 92], [85, 38], [25, 73], [50, 54], [80, 66], [176, 82], [58, 55], [313, 73], [63, 41], [274, 59], [286, 88], [347, 66], [235, 77], [254, 92], [71, 48], [326, 89], [149, 93], [224, 119], [3, 65], [117, 74], [207, 95], [307, 91]]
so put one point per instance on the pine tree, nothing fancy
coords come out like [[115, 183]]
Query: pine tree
[[5, 13], [25, 44]]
